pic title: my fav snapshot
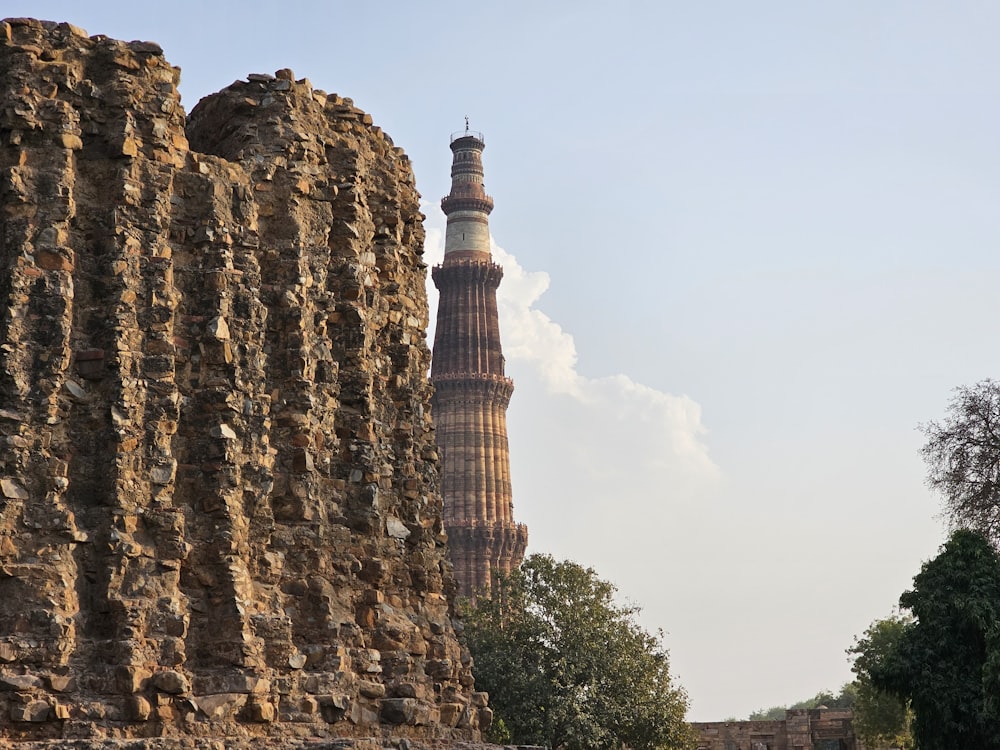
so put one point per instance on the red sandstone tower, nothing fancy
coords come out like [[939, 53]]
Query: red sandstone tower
[[471, 391]]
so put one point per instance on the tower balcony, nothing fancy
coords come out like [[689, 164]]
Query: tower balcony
[[472, 387], [451, 203], [474, 135]]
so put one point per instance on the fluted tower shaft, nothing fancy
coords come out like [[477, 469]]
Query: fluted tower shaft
[[471, 391]]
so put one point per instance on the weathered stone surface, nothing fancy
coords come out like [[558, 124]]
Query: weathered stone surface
[[399, 710], [221, 706], [219, 514], [62, 683], [236, 743], [20, 682], [801, 729], [171, 682], [138, 708], [33, 711], [12, 490]]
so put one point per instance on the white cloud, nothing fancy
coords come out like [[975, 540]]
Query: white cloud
[[610, 425], [669, 427], [528, 333]]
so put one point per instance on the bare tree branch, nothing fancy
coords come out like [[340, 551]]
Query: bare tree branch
[[962, 454]]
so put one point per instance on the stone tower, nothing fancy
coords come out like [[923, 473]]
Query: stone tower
[[471, 391]]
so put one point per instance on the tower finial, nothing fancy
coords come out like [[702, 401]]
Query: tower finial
[[466, 123]]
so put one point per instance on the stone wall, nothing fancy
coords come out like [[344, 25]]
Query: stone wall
[[218, 510], [801, 729]]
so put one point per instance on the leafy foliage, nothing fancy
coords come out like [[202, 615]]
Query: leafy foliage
[[946, 662], [774, 713], [567, 667], [498, 733], [880, 718], [845, 699], [963, 458]]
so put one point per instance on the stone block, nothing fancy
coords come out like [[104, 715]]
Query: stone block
[[262, 712], [333, 707], [170, 681], [450, 713], [62, 683], [485, 718], [398, 710], [370, 689], [55, 259], [12, 489], [19, 682], [70, 141], [138, 708], [33, 711], [221, 705]]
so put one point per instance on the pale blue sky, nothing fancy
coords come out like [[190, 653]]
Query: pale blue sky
[[784, 211]]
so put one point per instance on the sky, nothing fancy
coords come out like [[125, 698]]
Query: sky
[[748, 249]]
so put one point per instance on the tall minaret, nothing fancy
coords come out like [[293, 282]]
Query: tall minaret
[[471, 392]]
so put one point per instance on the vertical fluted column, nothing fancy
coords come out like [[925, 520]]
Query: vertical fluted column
[[471, 390]]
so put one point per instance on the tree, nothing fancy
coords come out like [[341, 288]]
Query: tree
[[845, 699], [946, 662], [567, 667], [880, 718], [774, 713], [963, 458]]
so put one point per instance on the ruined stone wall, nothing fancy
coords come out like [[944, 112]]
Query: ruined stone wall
[[218, 513], [801, 729]]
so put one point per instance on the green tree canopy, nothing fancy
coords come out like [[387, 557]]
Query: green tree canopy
[[946, 662], [962, 454], [844, 699], [881, 719], [567, 667]]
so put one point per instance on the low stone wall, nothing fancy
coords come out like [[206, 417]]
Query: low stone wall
[[801, 729], [194, 743]]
